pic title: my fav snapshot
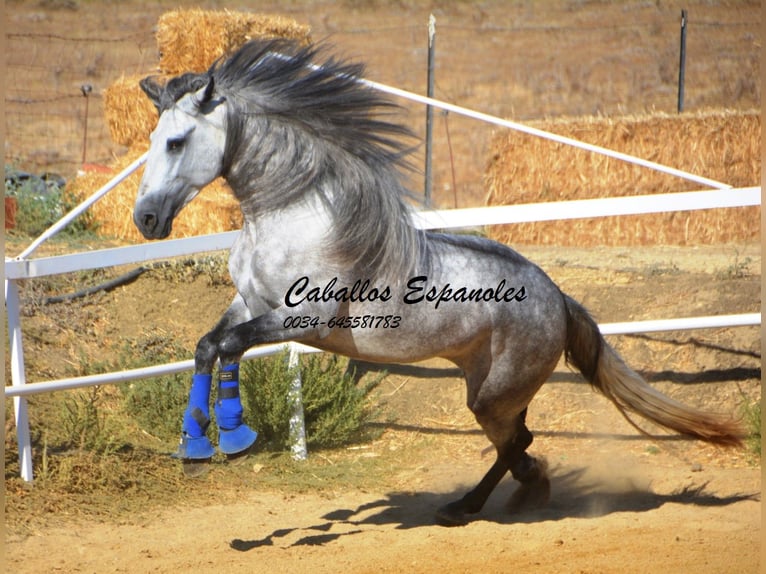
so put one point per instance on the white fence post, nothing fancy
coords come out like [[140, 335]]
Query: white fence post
[[18, 378], [295, 400]]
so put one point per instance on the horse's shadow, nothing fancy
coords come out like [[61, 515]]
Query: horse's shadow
[[575, 495]]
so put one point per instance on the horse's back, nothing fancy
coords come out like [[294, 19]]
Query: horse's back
[[498, 290], [476, 261]]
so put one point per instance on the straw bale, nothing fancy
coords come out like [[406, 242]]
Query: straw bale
[[721, 145], [128, 111], [190, 40], [214, 210]]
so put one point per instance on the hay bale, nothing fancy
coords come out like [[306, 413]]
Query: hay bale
[[721, 145], [128, 111], [190, 40], [214, 210]]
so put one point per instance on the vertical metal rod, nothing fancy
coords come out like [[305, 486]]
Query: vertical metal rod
[[451, 158], [430, 110], [86, 89], [18, 378], [682, 63]]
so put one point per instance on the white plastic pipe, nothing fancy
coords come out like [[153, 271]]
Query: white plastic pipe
[[546, 135], [298, 446], [438, 219], [709, 322], [127, 375], [713, 321], [64, 221], [18, 379]]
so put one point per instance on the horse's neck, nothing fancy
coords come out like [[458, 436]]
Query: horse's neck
[[290, 206], [277, 247], [305, 222], [271, 168]]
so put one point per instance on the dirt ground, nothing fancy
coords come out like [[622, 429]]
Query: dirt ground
[[599, 524], [621, 502]]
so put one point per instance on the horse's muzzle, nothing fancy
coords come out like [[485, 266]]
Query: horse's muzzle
[[151, 225]]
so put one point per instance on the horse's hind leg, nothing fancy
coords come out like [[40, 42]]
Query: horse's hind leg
[[512, 455], [535, 488], [454, 513]]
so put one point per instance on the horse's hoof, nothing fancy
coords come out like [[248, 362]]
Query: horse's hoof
[[194, 448], [451, 514], [530, 496], [236, 441], [194, 468], [238, 458]]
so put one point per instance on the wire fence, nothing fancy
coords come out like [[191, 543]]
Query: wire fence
[[54, 81]]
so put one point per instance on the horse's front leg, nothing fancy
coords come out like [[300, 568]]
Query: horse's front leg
[[235, 438], [236, 332], [277, 326]]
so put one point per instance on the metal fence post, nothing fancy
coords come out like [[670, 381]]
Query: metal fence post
[[430, 111], [682, 63], [86, 90], [18, 378]]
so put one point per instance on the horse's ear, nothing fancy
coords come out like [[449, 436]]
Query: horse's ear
[[153, 90], [208, 95], [204, 94], [204, 99]]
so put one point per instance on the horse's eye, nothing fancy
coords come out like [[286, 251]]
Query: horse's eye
[[175, 144]]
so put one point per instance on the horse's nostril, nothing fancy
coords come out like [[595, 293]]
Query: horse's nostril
[[149, 220]]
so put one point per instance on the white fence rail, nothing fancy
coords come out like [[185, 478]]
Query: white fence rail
[[23, 268]]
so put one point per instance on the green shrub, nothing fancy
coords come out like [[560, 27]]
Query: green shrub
[[42, 202], [336, 409], [751, 415], [85, 425], [157, 404]]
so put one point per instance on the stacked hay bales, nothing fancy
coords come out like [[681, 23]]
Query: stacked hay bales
[[188, 41], [191, 40], [721, 145]]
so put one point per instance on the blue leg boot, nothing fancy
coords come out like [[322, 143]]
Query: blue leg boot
[[194, 444], [234, 436]]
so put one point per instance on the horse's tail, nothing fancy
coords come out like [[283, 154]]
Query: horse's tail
[[587, 350]]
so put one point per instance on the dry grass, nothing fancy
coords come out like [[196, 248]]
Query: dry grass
[[191, 40], [721, 145]]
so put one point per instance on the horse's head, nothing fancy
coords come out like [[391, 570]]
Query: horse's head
[[186, 151]]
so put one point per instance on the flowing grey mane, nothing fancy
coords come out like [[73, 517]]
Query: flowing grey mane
[[299, 123]]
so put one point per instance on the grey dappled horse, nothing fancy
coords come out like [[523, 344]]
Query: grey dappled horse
[[328, 256]]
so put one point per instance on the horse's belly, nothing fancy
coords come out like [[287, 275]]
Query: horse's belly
[[403, 333]]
